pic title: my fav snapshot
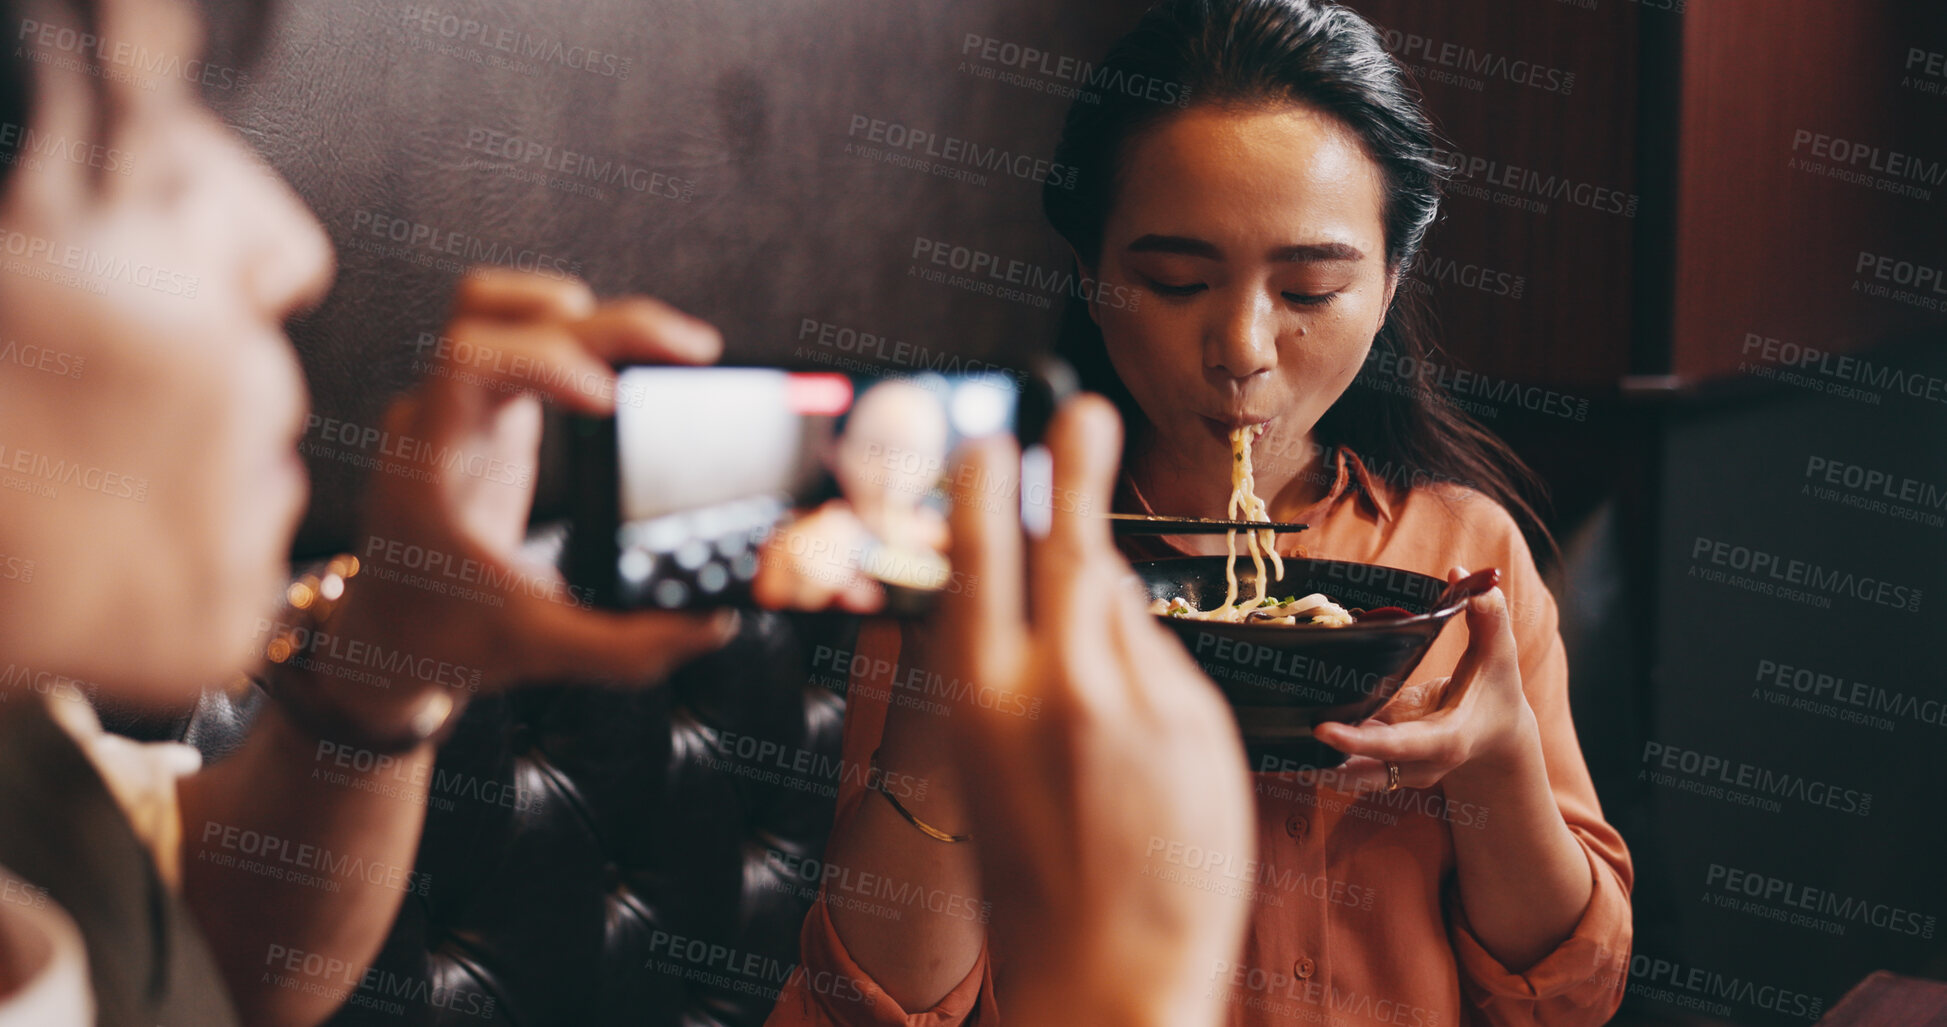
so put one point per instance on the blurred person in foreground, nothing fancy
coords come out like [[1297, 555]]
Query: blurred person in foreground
[[149, 411]]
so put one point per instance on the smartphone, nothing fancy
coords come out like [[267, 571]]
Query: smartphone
[[675, 496]]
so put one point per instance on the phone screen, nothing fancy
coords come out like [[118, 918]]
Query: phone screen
[[679, 492]]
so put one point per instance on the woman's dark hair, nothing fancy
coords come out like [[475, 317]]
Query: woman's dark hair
[[1249, 53], [235, 28], [16, 85]]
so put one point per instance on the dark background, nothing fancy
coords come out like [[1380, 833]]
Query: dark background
[[1644, 320]]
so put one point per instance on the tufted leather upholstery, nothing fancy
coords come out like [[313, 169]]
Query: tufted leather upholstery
[[614, 857], [377, 114]]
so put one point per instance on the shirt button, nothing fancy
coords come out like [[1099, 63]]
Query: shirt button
[[1296, 825], [1304, 968]]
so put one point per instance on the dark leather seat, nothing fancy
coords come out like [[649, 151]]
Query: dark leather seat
[[614, 857], [650, 880]]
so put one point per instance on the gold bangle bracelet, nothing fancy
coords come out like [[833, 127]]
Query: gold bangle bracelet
[[313, 599], [875, 779]]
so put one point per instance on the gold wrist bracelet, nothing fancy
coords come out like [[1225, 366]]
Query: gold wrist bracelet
[[875, 779], [313, 598]]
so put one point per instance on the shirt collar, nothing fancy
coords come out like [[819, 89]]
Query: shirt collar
[[1373, 494]]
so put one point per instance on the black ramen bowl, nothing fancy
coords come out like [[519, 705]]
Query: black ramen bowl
[[1284, 679]]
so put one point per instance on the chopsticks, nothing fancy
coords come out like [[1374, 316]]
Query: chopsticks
[[1149, 524]]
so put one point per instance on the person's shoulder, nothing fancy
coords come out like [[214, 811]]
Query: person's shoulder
[[1475, 530], [1460, 514]]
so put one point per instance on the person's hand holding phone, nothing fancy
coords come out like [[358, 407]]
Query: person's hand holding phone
[[457, 483], [804, 564], [886, 462], [1132, 756]]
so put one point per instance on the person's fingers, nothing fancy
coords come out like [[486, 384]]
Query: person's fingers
[[984, 627], [1491, 648], [477, 451], [795, 583], [1085, 442], [1085, 445], [1360, 775], [1074, 570], [507, 294], [1413, 701], [566, 358], [772, 586], [1431, 740], [565, 641], [512, 358], [1159, 669], [812, 562], [405, 418], [1152, 675], [429, 475], [780, 583], [862, 595], [637, 329]]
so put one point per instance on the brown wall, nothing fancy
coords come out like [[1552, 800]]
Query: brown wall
[[1766, 246], [1497, 76], [747, 106]]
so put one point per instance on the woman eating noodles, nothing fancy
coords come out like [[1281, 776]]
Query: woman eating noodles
[[1259, 239]]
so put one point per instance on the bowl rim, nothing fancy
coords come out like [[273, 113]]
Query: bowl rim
[[1437, 614]]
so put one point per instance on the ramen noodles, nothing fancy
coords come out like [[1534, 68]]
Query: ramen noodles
[[1246, 506], [1311, 609]]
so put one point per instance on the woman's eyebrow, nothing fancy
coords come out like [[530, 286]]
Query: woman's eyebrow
[[1312, 253], [1306, 253], [1180, 244]]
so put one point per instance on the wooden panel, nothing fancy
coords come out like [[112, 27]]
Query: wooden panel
[[1539, 99], [1884, 998], [1777, 98]]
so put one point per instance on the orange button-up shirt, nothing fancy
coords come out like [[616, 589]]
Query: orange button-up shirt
[[1358, 917]]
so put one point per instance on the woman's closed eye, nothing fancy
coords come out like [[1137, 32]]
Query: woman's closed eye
[[1183, 289], [1175, 289]]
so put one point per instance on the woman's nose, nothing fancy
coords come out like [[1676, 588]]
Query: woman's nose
[[1243, 341], [289, 264]]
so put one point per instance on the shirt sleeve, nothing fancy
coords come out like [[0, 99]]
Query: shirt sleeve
[[828, 989], [140, 775], [1581, 982]]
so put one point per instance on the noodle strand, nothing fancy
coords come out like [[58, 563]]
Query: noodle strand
[[1244, 505]]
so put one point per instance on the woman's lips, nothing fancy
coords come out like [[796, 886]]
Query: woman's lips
[[1222, 428]]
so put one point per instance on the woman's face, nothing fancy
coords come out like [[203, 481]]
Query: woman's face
[[1254, 238], [149, 401]]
